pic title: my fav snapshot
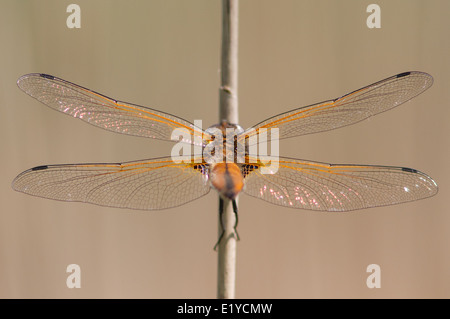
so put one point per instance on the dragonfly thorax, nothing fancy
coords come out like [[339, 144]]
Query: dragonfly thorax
[[223, 143]]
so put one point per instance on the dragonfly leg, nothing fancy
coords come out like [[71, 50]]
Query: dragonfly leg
[[221, 223], [222, 227], [235, 210]]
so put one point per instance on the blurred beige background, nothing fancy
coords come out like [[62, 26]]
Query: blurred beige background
[[165, 54]]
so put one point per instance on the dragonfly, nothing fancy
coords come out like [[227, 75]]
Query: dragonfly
[[161, 183]]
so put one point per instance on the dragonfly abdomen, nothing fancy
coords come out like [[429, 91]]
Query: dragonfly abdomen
[[227, 179]]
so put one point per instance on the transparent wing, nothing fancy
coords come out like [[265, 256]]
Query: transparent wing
[[150, 184], [102, 111], [348, 109], [326, 187]]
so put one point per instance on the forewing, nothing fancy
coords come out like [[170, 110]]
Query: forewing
[[350, 108], [326, 187], [149, 184], [102, 111]]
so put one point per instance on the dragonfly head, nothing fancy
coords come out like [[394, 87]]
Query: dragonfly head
[[223, 127]]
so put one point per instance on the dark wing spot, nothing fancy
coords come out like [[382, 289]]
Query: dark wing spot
[[201, 168], [409, 170], [403, 74], [47, 76], [39, 168], [247, 169]]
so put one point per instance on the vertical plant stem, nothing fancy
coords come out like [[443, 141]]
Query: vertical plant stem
[[228, 110]]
